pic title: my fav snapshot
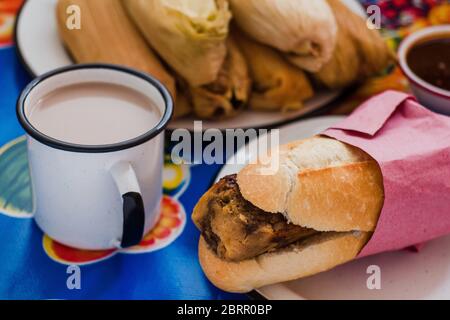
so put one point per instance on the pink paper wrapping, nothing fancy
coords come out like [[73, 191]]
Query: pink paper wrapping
[[412, 146]]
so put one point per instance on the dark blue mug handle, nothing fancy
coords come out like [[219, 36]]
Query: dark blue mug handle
[[127, 184], [133, 219]]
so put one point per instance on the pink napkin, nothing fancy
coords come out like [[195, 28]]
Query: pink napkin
[[412, 146]]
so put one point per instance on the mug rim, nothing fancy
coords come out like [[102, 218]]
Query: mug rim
[[80, 148]]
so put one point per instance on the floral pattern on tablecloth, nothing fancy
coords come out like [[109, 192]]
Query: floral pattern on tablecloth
[[16, 200], [8, 10], [28, 269]]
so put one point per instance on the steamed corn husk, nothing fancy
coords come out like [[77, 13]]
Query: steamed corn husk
[[360, 52], [183, 106], [228, 94], [189, 35], [107, 35], [276, 84], [305, 30]]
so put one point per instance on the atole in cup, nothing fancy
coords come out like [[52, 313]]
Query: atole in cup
[[95, 146]]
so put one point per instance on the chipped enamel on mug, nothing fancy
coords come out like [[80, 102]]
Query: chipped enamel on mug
[[96, 197]]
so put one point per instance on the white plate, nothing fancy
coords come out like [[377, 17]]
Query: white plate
[[258, 119], [41, 51], [404, 274]]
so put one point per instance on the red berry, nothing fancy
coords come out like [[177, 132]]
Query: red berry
[[400, 3]]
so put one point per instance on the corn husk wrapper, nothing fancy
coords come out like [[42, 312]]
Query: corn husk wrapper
[[189, 35], [360, 52], [305, 30], [228, 94], [183, 106], [276, 84], [107, 35]]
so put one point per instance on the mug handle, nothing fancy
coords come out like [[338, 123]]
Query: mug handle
[[133, 205]]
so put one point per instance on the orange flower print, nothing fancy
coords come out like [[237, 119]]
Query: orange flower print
[[13, 176], [8, 10], [168, 228], [67, 255]]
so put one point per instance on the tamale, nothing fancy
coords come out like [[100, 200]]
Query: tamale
[[183, 106], [304, 30], [107, 35], [276, 84], [360, 52], [189, 35], [228, 94]]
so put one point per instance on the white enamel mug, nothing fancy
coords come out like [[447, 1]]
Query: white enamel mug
[[96, 196]]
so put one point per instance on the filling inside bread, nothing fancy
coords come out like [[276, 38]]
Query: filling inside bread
[[237, 230]]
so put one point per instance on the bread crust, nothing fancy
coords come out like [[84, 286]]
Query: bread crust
[[317, 254], [321, 183]]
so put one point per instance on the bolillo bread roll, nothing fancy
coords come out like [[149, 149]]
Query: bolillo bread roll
[[321, 184], [330, 192], [316, 255]]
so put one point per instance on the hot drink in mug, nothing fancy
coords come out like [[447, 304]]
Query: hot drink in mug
[[95, 147]]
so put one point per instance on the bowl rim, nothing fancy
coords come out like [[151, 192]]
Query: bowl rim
[[403, 50]]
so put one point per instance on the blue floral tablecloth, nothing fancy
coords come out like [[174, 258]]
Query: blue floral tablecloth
[[165, 264], [32, 266]]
